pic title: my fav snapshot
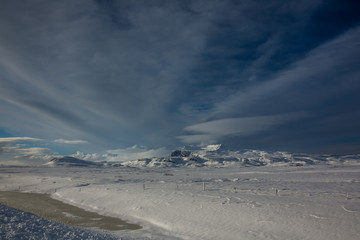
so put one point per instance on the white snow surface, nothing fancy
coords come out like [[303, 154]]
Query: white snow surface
[[290, 197]]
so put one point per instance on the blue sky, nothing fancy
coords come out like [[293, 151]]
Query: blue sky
[[123, 79]]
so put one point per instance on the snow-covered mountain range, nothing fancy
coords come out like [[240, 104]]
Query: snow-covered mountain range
[[216, 156]]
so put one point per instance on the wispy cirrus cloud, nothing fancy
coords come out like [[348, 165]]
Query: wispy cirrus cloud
[[318, 85], [325, 72], [102, 64], [9, 140], [60, 140], [120, 73], [213, 131]]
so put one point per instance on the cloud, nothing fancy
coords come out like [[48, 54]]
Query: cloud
[[60, 140], [211, 131], [89, 156], [199, 139], [133, 153], [323, 85], [313, 78], [119, 73], [10, 151], [9, 140], [248, 43], [32, 153], [90, 68]]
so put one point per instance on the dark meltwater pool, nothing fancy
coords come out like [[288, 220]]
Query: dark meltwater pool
[[44, 206]]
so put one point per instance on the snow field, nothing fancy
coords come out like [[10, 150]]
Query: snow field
[[316, 202]]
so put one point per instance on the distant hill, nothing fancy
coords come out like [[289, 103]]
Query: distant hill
[[71, 162]]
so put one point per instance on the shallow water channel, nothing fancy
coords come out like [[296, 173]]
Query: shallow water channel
[[44, 206]]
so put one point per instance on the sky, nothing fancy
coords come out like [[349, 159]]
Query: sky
[[116, 80]]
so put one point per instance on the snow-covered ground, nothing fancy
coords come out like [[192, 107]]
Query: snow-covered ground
[[277, 201]]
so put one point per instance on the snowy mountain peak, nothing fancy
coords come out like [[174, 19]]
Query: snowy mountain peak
[[180, 153]]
